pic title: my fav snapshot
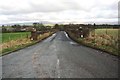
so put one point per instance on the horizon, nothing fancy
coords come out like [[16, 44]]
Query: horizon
[[31, 23]]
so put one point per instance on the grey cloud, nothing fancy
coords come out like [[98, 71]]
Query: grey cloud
[[48, 7], [59, 10]]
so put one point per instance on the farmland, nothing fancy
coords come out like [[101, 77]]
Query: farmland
[[110, 32], [6, 37]]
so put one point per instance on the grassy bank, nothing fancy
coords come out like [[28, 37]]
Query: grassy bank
[[102, 39], [16, 44]]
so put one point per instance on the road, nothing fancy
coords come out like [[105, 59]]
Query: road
[[59, 57]]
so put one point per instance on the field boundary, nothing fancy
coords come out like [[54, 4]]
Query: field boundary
[[80, 43]]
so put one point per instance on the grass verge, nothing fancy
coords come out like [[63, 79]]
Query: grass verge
[[107, 49], [13, 48]]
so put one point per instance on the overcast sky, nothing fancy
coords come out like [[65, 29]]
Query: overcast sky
[[74, 11]]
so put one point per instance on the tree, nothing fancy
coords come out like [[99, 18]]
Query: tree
[[56, 26], [16, 27], [42, 27], [4, 28], [39, 26]]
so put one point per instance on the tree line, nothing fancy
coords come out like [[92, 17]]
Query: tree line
[[42, 28], [24, 28]]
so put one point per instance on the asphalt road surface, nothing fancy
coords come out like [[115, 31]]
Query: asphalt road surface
[[59, 57]]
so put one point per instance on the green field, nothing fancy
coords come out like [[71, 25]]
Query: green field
[[111, 32], [108, 42], [6, 37]]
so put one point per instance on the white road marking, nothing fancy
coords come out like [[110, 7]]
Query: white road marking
[[72, 43], [58, 68], [66, 35], [54, 34], [49, 38], [59, 38], [69, 38], [58, 62], [55, 49]]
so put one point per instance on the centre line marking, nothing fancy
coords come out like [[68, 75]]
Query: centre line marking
[[58, 62], [58, 68]]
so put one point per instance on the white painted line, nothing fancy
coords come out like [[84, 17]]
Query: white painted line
[[66, 35], [58, 76], [54, 34], [59, 38], [58, 62], [72, 43], [55, 49], [49, 38]]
